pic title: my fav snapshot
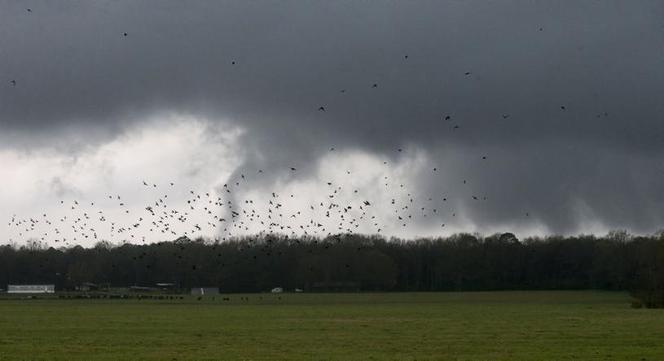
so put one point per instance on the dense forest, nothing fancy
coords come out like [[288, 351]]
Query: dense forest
[[461, 262]]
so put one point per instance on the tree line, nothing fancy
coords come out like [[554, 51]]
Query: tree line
[[461, 262]]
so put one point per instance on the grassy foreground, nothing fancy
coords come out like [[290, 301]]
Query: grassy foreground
[[395, 326]]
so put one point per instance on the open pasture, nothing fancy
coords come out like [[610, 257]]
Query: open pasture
[[543, 325]]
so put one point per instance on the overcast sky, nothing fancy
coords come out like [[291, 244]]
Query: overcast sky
[[554, 113]]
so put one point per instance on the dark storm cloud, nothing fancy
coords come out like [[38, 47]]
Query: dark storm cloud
[[77, 74]]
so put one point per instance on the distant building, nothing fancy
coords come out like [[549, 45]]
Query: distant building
[[87, 287], [30, 288], [167, 287], [205, 291], [141, 289]]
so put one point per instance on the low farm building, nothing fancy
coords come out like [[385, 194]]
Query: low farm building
[[31, 289]]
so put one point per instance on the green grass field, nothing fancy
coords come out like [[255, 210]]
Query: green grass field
[[395, 326]]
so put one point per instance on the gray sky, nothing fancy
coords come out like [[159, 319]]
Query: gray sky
[[202, 92]]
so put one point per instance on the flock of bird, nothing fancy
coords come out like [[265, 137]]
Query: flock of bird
[[225, 214]]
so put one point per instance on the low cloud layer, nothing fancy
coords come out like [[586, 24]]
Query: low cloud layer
[[554, 109]]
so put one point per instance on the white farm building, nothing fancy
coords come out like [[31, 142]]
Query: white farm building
[[31, 289]]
